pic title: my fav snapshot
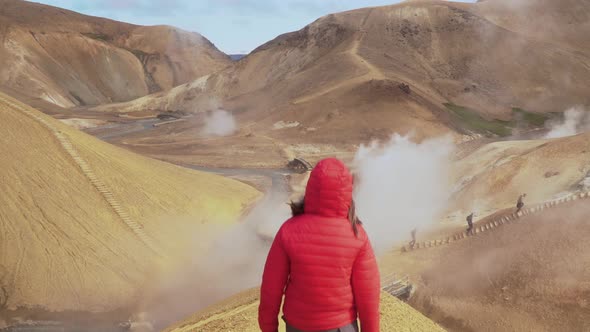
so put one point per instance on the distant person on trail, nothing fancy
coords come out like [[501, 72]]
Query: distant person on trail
[[470, 224], [520, 203], [413, 242], [322, 262]]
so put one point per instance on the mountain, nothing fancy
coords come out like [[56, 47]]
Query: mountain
[[237, 57], [494, 175], [564, 23], [427, 67], [71, 59], [527, 275], [88, 227]]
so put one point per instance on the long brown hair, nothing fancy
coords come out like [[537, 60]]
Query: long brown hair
[[298, 208]]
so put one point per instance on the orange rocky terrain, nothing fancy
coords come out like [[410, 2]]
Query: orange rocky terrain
[[519, 272], [80, 214], [427, 67], [71, 59], [526, 273], [88, 227], [493, 176], [563, 23]]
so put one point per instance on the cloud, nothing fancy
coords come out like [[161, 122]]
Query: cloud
[[242, 21], [247, 6], [117, 8]]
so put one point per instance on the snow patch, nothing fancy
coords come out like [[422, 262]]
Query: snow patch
[[200, 83], [54, 101], [82, 123], [303, 149], [284, 125]]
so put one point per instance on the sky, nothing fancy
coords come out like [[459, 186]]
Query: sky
[[234, 26]]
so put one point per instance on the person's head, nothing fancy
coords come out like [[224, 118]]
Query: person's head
[[329, 193]]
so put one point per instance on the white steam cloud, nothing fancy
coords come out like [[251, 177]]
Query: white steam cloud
[[219, 123], [233, 263], [575, 121], [402, 185]]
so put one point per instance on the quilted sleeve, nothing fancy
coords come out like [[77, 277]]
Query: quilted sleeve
[[366, 288], [274, 280]]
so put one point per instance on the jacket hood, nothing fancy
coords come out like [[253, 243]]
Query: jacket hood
[[329, 189]]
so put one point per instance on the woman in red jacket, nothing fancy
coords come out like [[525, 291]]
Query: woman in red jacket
[[322, 261]]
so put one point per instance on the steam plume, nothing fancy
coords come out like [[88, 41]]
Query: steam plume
[[234, 262], [575, 121], [402, 185], [219, 123]]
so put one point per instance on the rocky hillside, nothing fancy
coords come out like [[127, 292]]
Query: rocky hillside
[[426, 67], [79, 215], [71, 59]]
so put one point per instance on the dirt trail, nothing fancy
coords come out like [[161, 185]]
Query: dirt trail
[[373, 73], [527, 276], [219, 316], [239, 313], [489, 224], [100, 186]]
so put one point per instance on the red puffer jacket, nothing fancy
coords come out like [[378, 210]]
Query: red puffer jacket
[[326, 273]]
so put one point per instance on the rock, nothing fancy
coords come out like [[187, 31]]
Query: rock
[[405, 88], [551, 174]]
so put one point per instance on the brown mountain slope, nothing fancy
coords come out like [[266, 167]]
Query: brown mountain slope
[[494, 175], [564, 22], [339, 79], [239, 313], [85, 226], [72, 59], [529, 275]]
